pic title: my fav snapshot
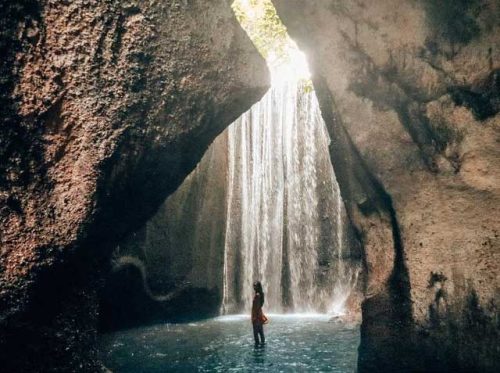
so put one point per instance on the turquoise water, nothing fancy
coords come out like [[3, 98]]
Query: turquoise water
[[295, 343]]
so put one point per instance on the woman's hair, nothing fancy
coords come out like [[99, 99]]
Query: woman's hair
[[259, 290]]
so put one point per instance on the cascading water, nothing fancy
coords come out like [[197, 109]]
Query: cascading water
[[284, 210], [284, 224]]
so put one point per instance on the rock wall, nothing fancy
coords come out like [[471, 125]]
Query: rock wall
[[184, 241], [105, 107], [410, 91], [179, 252], [176, 260]]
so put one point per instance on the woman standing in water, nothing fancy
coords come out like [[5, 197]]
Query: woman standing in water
[[258, 318]]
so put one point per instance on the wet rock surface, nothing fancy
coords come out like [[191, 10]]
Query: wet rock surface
[[179, 252], [126, 299], [105, 108], [409, 90]]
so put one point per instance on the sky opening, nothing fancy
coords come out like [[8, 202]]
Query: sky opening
[[262, 24]]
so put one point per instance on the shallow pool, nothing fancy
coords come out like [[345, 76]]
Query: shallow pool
[[295, 343]]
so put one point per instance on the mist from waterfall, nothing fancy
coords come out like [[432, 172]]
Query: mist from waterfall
[[284, 211]]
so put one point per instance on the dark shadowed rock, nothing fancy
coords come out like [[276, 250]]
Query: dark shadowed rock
[[180, 251], [127, 301]]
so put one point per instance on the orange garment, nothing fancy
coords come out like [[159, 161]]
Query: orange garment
[[258, 317]]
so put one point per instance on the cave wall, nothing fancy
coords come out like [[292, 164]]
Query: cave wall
[[175, 262], [105, 107], [183, 244], [180, 250], [410, 93]]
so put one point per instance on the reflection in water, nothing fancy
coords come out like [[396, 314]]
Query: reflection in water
[[225, 344], [259, 355]]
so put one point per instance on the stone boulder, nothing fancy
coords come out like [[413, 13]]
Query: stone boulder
[[105, 107], [410, 93]]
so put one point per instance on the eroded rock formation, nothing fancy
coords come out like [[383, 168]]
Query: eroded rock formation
[[176, 260], [105, 107], [181, 250], [410, 92]]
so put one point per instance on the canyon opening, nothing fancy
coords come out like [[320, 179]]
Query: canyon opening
[[262, 204], [180, 178]]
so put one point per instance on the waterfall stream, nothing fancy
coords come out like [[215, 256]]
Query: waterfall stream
[[284, 211]]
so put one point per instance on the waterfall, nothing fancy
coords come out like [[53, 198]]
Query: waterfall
[[284, 223]]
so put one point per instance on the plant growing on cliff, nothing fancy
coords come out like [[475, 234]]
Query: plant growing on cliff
[[263, 26]]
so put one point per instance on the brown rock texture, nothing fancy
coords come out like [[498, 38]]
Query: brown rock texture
[[105, 106], [410, 92]]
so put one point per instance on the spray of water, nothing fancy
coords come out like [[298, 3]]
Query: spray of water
[[284, 210], [285, 222]]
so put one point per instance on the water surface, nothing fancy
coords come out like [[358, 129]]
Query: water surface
[[295, 343]]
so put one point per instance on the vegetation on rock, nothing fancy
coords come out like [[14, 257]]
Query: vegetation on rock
[[263, 26]]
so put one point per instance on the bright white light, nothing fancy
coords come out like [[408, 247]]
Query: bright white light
[[290, 69], [306, 315], [238, 317], [286, 62], [338, 308], [286, 316]]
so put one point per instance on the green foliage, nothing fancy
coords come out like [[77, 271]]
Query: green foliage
[[453, 20], [240, 14], [307, 85], [265, 29]]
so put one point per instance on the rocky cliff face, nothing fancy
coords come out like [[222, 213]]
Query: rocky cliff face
[[105, 108], [410, 91], [176, 260]]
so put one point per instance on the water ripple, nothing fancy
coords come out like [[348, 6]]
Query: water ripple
[[225, 344]]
